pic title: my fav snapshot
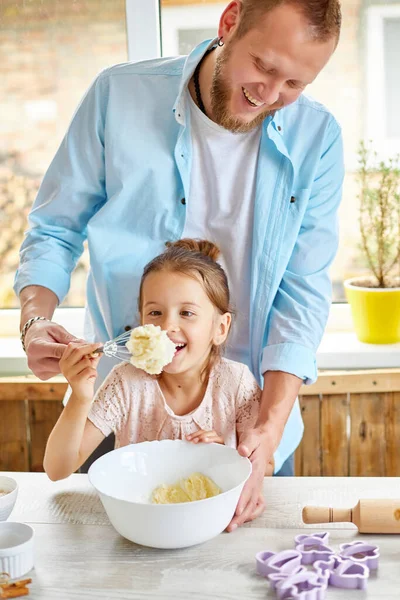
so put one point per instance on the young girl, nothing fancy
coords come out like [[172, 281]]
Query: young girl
[[199, 396]]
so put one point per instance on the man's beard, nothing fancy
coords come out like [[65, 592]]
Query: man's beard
[[220, 97]]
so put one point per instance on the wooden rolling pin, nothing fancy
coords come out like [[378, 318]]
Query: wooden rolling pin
[[370, 516]]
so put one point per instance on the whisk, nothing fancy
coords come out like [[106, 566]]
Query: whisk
[[116, 348], [149, 348]]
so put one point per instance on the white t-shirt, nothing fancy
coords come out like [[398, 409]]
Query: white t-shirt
[[220, 208]]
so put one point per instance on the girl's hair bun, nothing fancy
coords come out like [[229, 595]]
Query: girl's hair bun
[[201, 246]]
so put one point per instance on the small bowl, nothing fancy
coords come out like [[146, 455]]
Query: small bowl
[[16, 549], [7, 502], [126, 477]]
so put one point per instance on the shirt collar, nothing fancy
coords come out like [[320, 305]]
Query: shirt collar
[[189, 67]]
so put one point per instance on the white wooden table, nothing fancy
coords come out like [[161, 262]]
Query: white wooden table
[[79, 554]]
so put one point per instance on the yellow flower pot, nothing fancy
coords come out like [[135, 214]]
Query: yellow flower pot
[[375, 311]]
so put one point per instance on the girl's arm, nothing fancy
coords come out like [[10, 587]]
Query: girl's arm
[[74, 437], [72, 440]]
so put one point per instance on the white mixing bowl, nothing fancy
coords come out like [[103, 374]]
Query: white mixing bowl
[[9, 485], [126, 477]]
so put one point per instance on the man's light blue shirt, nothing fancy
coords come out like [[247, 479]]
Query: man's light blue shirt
[[119, 179]]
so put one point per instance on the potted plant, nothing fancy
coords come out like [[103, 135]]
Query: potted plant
[[375, 298]]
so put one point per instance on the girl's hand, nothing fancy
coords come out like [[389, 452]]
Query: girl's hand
[[78, 364], [207, 437]]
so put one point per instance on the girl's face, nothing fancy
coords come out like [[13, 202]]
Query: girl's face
[[180, 306]]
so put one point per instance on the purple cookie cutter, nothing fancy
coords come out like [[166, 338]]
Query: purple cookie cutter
[[292, 581], [307, 585], [359, 552], [343, 573], [322, 536], [277, 562], [312, 549], [275, 578]]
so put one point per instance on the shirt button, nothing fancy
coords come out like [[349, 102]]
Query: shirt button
[[183, 201], [279, 128], [292, 199], [127, 328]]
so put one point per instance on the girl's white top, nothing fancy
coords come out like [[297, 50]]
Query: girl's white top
[[130, 403]]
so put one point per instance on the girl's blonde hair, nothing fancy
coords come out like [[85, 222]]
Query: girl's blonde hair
[[196, 259]]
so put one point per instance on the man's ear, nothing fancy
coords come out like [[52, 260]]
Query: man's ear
[[222, 329], [229, 20]]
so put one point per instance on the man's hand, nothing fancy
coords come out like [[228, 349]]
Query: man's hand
[[257, 445], [207, 437], [45, 344]]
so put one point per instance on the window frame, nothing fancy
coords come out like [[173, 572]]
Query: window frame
[[174, 18], [143, 34], [375, 120]]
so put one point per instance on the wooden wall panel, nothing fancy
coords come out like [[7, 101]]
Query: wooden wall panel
[[367, 435], [308, 456], [392, 434], [14, 454], [354, 382], [352, 423], [28, 410], [30, 388], [42, 418], [334, 438], [359, 436]]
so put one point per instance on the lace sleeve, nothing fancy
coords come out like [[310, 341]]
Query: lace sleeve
[[110, 407], [247, 401]]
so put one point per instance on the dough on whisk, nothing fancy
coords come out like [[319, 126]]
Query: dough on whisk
[[195, 487], [151, 348]]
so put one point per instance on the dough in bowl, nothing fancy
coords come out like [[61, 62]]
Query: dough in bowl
[[195, 487]]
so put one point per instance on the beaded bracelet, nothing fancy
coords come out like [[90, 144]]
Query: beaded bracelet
[[26, 327]]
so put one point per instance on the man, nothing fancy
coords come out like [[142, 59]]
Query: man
[[220, 145]]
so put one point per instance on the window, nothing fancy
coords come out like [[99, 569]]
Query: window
[[51, 51], [55, 48], [383, 82]]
